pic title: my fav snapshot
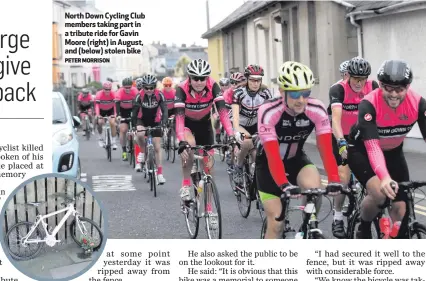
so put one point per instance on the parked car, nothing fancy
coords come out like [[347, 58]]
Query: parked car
[[65, 145]]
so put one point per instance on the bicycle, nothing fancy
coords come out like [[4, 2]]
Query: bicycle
[[248, 191], [87, 129], [409, 225], [48, 237], [108, 136], [309, 228], [170, 139], [202, 181], [130, 135], [150, 167]]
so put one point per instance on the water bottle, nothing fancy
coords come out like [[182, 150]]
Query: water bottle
[[200, 186], [384, 225], [395, 229], [299, 235]]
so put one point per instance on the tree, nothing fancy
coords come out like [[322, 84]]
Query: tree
[[180, 68]]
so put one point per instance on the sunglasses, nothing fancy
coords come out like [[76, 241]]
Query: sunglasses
[[390, 89], [107, 90], [297, 94], [234, 82], [167, 85], [196, 78], [149, 88], [127, 89], [359, 79]]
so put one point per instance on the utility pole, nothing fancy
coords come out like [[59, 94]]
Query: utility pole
[[208, 14]]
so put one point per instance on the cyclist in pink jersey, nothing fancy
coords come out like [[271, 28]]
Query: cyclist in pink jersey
[[105, 107], [85, 106], [345, 97], [169, 94], [375, 153], [124, 103], [284, 124], [194, 99]]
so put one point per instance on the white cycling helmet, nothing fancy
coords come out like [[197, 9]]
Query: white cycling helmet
[[343, 68], [199, 68]]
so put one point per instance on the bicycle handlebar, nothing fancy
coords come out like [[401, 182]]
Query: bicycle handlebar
[[308, 192]]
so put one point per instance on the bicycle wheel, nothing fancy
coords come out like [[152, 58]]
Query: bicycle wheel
[[173, 144], [130, 150], [263, 230], [108, 146], [355, 220], [85, 228], [418, 230], [154, 179], [166, 141], [243, 197], [19, 251], [213, 221], [190, 209], [87, 129]]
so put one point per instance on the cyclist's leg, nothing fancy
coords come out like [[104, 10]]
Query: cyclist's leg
[[360, 165], [307, 175], [124, 127], [270, 196], [113, 129], [140, 140], [100, 125], [398, 170], [338, 227], [244, 150], [186, 166], [156, 138]]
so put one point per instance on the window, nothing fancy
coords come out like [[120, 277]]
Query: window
[[58, 112], [74, 79], [295, 30]]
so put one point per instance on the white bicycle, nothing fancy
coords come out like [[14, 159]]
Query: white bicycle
[[30, 234]]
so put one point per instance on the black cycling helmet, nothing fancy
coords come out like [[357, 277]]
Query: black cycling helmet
[[395, 72], [359, 67], [127, 82], [85, 91]]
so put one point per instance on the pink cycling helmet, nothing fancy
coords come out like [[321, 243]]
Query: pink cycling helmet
[[107, 85]]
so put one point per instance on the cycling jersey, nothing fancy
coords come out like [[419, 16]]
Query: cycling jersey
[[170, 98], [342, 95], [150, 107], [124, 101], [249, 103], [196, 107], [105, 102], [84, 102], [283, 134], [380, 127]]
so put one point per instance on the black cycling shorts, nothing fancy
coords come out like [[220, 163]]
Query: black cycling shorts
[[106, 113], [251, 129], [264, 180], [201, 130], [337, 156], [157, 133], [125, 113], [395, 162]]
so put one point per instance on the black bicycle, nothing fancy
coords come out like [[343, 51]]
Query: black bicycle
[[309, 228], [150, 166], [410, 227], [169, 140], [247, 191]]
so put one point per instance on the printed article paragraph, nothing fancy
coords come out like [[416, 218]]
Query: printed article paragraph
[[262, 265], [94, 37], [16, 160]]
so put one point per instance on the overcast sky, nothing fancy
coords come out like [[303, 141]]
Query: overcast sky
[[174, 21]]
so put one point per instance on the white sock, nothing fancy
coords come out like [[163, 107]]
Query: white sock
[[338, 216]]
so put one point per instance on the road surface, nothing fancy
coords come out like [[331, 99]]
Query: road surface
[[134, 213]]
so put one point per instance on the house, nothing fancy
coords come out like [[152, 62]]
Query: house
[[68, 74]]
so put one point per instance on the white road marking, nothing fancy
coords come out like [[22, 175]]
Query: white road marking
[[110, 183]]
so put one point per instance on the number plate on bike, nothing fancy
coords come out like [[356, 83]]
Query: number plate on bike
[[310, 208]]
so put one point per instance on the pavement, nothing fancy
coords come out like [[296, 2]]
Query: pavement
[[134, 213]]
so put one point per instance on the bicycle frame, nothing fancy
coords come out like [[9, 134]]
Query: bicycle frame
[[40, 219]]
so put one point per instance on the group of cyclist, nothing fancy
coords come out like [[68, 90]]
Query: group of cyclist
[[362, 130]]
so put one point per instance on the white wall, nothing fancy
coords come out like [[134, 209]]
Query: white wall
[[398, 36]]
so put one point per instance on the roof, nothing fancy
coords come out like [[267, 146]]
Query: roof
[[371, 5], [241, 12], [196, 55]]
